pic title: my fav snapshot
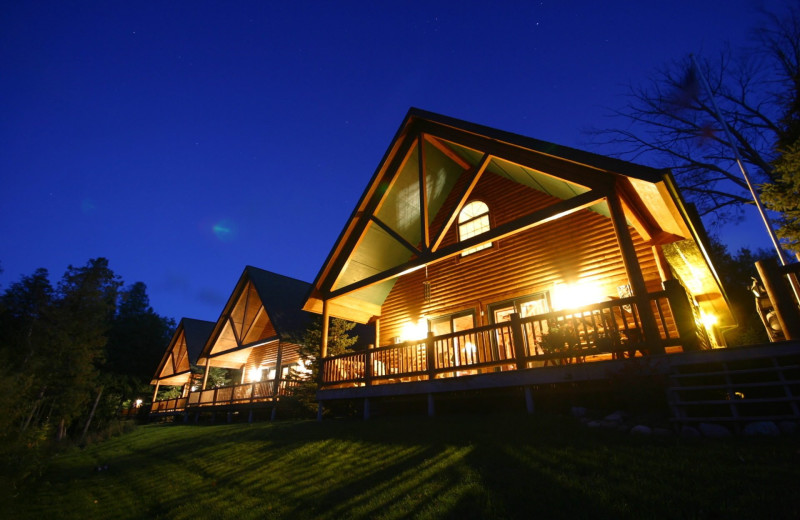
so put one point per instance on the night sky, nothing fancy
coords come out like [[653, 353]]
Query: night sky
[[185, 140]]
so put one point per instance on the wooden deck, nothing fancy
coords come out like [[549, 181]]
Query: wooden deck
[[680, 369], [556, 340], [238, 396]]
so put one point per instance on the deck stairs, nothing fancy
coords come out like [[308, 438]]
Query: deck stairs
[[736, 386]]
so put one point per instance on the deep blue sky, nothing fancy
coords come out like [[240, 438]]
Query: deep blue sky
[[183, 140]]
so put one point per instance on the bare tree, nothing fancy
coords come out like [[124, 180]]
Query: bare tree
[[670, 121]]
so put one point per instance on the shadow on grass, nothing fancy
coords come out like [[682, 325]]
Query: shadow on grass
[[492, 466]]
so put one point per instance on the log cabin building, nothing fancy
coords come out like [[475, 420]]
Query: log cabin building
[[175, 367], [481, 256], [256, 338]]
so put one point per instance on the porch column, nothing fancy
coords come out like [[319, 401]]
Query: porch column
[[205, 374], [244, 371], [631, 263], [155, 392], [377, 332], [683, 314], [325, 325], [781, 297], [276, 385], [664, 270], [185, 390]]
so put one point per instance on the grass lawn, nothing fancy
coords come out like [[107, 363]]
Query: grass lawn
[[488, 466]]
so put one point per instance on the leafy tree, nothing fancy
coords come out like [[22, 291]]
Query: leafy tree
[[670, 120], [81, 320]]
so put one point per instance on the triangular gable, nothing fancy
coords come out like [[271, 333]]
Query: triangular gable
[[264, 307], [427, 176], [182, 351]]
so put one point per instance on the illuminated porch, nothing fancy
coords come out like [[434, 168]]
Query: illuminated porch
[[601, 332], [477, 254]]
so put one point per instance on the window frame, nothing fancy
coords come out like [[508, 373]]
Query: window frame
[[460, 224]]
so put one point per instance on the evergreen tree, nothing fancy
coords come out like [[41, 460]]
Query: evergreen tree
[[783, 195], [340, 341], [137, 337]]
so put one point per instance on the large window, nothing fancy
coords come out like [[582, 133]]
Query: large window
[[459, 350], [473, 220], [526, 306]]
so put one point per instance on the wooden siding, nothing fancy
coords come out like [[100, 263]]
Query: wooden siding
[[581, 246]]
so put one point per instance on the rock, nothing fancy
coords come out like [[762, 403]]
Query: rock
[[616, 417], [578, 411], [641, 429], [762, 429], [713, 431], [689, 432], [662, 432], [788, 427], [594, 424]]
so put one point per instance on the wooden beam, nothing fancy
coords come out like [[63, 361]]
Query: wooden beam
[[205, 374], [325, 324], [278, 360], [475, 176], [155, 392], [542, 216], [557, 167], [631, 262], [360, 219], [395, 235], [423, 197], [259, 312], [447, 151]]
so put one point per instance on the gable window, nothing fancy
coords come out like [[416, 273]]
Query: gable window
[[473, 220]]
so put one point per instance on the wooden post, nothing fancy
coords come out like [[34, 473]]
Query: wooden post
[[519, 341], [366, 409], [325, 324], [244, 372], [431, 406], [378, 332], [430, 357], [781, 298], [276, 385], [205, 374], [367, 367], [683, 314], [528, 399], [319, 411], [155, 392], [634, 272]]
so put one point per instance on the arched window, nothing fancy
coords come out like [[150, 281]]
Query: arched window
[[473, 220]]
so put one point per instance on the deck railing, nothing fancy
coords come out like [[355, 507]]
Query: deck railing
[[247, 393], [602, 331]]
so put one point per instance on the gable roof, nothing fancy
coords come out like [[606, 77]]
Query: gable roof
[[435, 158], [281, 299], [190, 334]]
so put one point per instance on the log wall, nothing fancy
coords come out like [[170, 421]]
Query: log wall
[[581, 246]]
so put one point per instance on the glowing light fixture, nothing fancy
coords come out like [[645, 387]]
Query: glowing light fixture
[[254, 375], [709, 320], [138, 403], [414, 331], [573, 295]]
